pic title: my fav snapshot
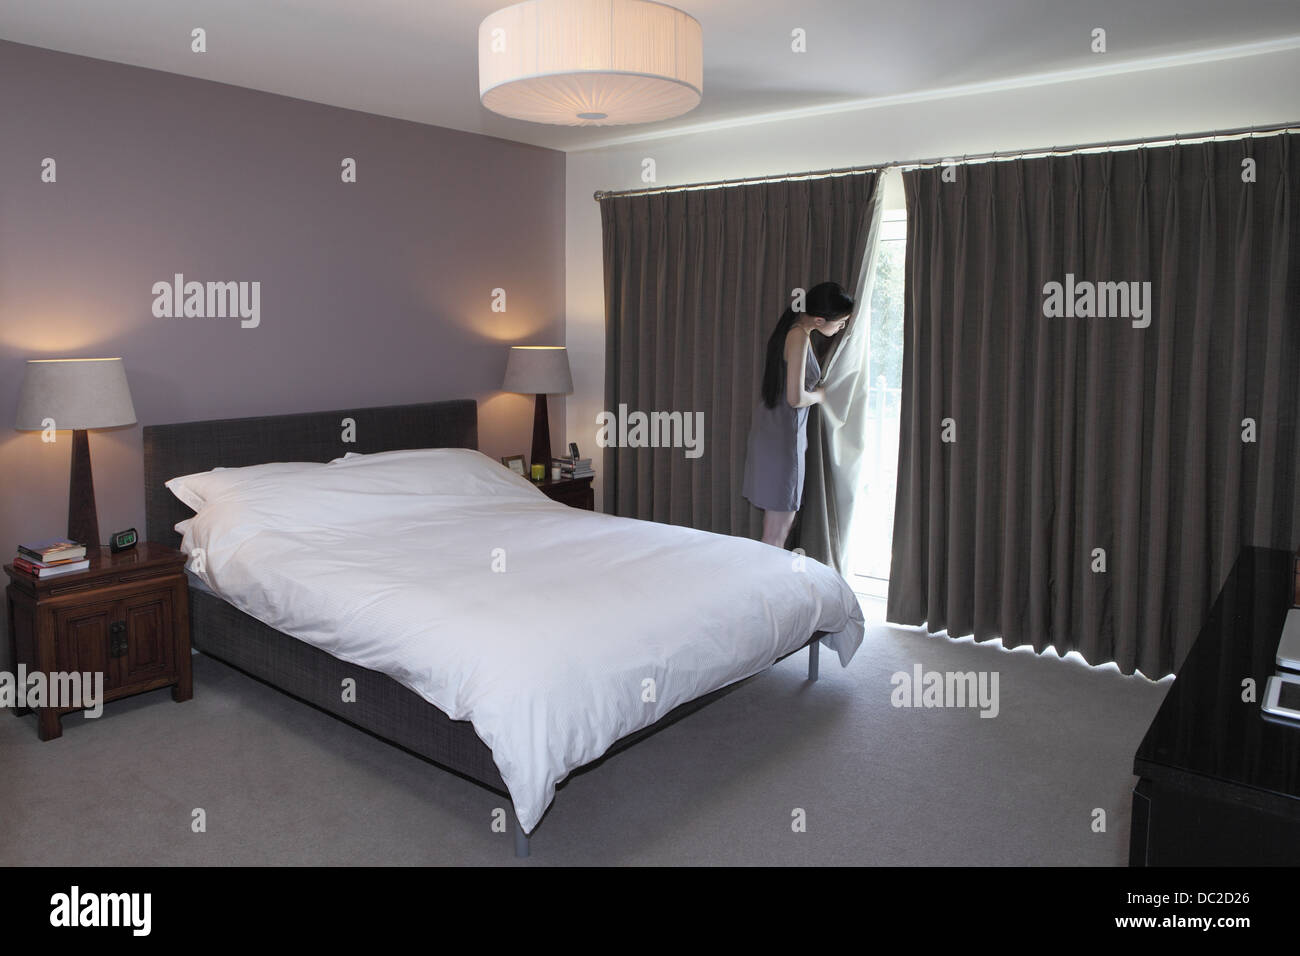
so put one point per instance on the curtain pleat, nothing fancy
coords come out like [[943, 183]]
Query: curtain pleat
[[1099, 487], [695, 281]]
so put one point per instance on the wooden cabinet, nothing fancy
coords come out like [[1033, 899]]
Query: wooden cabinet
[[125, 617], [574, 492], [1219, 780]]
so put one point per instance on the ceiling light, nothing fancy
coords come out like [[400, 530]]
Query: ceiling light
[[590, 62]]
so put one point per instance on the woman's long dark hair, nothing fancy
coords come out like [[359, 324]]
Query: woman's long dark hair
[[827, 300]]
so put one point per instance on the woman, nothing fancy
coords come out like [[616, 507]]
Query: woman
[[778, 435]]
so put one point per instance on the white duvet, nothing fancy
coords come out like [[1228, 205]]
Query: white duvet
[[554, 631]]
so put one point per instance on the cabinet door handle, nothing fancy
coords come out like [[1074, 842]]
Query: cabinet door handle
[[117, 639]]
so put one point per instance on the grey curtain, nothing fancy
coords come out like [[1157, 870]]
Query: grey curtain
[[837, 429], [695, 281], [1087, 440]]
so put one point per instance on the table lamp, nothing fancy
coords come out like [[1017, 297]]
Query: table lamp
[[76, 395], [539, 370]]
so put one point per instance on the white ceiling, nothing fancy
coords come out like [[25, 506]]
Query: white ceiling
[[417, 59]]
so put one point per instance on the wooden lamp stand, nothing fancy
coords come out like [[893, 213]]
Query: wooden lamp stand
[[541, 435], [83, 519]]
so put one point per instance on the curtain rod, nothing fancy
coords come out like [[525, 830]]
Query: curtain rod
[[1175, 138]]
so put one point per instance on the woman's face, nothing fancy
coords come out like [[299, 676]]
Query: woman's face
[[829, 327]]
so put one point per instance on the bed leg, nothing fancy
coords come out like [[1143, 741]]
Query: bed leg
[[813, 647], [521, 838]]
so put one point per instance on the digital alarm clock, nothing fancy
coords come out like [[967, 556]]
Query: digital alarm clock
[[123, 541]]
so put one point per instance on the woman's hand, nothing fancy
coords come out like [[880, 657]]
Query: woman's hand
[[814, 397]]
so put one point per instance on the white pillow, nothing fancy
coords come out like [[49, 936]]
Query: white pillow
[[202, 487], [425, 471]]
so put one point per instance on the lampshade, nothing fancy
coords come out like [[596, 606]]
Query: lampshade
[[590, 62], [538, 370], [76, 393]]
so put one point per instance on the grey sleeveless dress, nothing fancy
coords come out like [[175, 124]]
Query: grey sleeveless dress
[[778, 439]]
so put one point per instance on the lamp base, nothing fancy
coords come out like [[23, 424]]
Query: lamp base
[[83, 520], [541, 436]]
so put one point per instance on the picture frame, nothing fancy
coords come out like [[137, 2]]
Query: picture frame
[[516, 464]]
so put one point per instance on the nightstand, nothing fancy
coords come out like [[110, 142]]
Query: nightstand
[[574, 492], [126, 616]]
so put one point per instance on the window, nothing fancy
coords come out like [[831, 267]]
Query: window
[[871, 536]]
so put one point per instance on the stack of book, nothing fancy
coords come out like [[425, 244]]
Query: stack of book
[[45, 559], [574, 467]]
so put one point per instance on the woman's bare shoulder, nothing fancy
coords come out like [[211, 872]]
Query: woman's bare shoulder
[[795, 339]]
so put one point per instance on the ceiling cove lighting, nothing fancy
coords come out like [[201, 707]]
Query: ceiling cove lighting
[[590, 62]]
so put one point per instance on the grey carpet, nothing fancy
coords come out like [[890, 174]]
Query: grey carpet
[[282, 783]]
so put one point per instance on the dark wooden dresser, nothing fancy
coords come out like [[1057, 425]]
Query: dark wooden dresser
[[574, 492], [1220, 781], [126, 616]]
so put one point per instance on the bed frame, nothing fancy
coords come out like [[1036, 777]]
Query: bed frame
[[383, 707]]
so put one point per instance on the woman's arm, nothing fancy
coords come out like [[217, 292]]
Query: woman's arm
[[796, 362]]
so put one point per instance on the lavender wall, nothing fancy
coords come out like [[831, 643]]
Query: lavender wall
[[376, 292]]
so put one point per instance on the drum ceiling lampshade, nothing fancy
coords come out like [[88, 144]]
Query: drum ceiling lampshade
[[590, 62]]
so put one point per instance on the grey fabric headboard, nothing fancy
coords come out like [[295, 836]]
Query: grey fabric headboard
[[189, 447]]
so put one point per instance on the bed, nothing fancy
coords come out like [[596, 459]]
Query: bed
[[473, 655]]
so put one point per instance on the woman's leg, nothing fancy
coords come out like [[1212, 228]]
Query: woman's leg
[[776, 527]]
